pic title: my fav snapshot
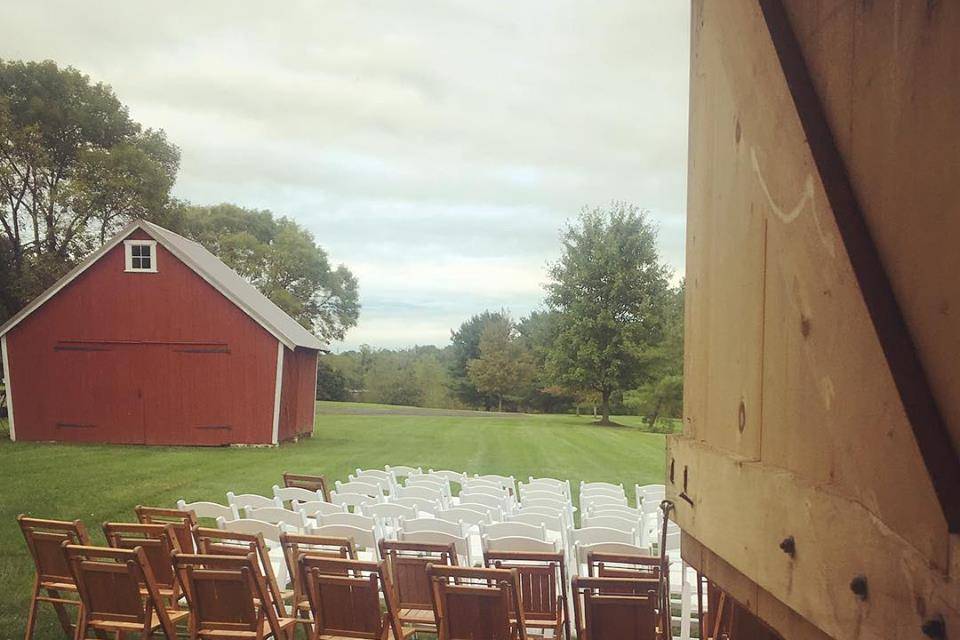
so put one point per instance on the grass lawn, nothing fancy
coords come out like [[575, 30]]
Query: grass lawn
[[99, 483]]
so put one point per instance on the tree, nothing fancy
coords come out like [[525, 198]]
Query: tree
[[503, 367], [537, 333], [331, 383], [610, 291], [74, 168], [465, 344], [283, 261]]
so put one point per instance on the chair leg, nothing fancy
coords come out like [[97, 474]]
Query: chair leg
[[62, 615], [32, 616]]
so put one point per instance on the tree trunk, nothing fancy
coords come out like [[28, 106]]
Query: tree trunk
[[605, 407], [500, 403], [578, 409]]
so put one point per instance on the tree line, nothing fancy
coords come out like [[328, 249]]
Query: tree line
[[75, 168], [609, 336]]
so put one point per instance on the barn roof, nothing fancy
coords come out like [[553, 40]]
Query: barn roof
[[207, 266]]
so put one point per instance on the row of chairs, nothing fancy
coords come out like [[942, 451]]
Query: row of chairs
[[223, 584]]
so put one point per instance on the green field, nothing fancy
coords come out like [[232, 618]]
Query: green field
[[98, 483]]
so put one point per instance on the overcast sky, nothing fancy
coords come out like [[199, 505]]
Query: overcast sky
[[435, 148]]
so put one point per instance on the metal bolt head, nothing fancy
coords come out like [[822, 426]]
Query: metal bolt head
[[934, 628], [859, 586], [789, 546]]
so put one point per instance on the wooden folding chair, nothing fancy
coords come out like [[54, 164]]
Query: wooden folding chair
[[621, 565], [44, 539], [226, 595], [406, 564], [476, 603], [182, 522], [159, 543], [304, 481], [297, 546], [543, 580], [614, 609], [345, 599], [223, 542], [119, 593]]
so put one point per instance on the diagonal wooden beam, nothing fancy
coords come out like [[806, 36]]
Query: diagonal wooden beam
[[929, 430]]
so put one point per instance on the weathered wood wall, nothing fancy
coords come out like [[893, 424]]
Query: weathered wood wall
[[793, 426]]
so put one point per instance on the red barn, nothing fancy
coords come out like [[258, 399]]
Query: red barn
[[153, 340]]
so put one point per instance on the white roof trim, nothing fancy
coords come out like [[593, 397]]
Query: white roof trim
[[150, 230]]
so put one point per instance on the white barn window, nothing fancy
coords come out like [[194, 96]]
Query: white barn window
[[141, 256]]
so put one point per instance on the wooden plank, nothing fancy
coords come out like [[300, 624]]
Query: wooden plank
[[836, 539], [931, 433]]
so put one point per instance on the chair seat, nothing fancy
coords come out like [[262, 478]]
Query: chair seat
[[228, 634], [113, 625], [59, 586], [417, 616]]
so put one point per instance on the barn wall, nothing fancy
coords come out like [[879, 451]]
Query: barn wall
[[155, 358], [793, 426], [298, 392]]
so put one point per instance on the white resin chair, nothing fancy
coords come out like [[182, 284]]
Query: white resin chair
[[271, 538], [371, 489], [432, 524], [452, 477], [243, 500], [316, 508], [400, 472], [385, 481], [425, 493], [461, 543], [647, 493], [354, 520], [293, 521], [507, 482], [355, 500], [593, 535], [466, 515], [213, 510], [495, 492], [588, 502], [611, 521], [554, 521], [551, 483], [582, 551], [477, 482], [518, 543], [541, 489], [602, 487], [289, 494], [495, 514], [420, 505], [365, 540], [513, 529], [426, 480], [389, 514], [495, 502]]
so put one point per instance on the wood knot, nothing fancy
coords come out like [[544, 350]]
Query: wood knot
[[804, 325], [859, 586], [789, 546]]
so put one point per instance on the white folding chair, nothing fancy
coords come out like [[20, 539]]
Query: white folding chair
[[432, 524], [582, 551], [602, 487], [426, 493], [554, 521], [213, 510], [271, 538], [371, 489], [243, 500], [495, 514], [498, 492], [478, 482], [647, 493], [364, 540], [355, 500], [597, 500], [541, 489], [466, 515], [518, 543], [315, 508], [289, 494], [385, 482], [495, 502], [507, 482], [452, 477], [434, 482], [354, 520], [513, 529], [292, 521], [399, 472], [420, 505], [461, 543], [593, 535], [389, 514], [552, 483], [612, 521]]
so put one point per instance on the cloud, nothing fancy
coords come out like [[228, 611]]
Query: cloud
[[435, 147]]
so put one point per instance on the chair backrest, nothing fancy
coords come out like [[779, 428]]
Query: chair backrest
[[561, 505], [390, 511], [496, 492], [354, 500], [109, 582], [426, 479], [379, 474], [289, 494], [202, 509], [223, 592], [243, 500], [538, 489], [158, 542], [453, 477], [610, 521], [269, 530], [650, 495], [478, 482], [615, 509], [614, 609], [225, 542], [513, 528], [345, 598], [544, 495], [593, 535], [465, 515], [611, 492], [316, 508], [277, 515], [590, 501], [476, 603], [361, 538], [601, 486], [518, 543], [353, 519], [583, 551], [552, 521], [308, 482], [493, 513], [496, 502], [45, 539], [507, 482], [556, 484], [437, 537], [406, 564], [401, 471], [425, 492], [357, 486], [296, 546], [432, 524], [543, 580], [385, 482], [182, 522], [623, 565]]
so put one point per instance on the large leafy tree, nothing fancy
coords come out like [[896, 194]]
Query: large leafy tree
[[465, 346], [610, 291], [283, 261], [503, 368], [74, 168]]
